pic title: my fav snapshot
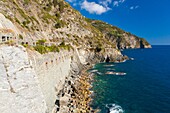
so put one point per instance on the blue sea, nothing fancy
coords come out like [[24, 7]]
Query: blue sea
[[144, 89]]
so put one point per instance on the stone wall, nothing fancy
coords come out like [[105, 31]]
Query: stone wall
[[20, 91], [31, 84], [52, 69]]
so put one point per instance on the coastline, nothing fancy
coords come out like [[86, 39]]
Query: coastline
[[73, 93], [119, 86], [76, 95], [53, 46], [81, 97]]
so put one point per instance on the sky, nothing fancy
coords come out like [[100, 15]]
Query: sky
[[149, 19]]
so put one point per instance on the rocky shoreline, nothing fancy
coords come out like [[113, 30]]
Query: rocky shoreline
[[75, 97], [79, 95], [71, 93]]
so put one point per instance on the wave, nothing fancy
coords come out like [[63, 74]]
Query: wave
[[115, 73], [93, 71], [114, 108], [108, 65]]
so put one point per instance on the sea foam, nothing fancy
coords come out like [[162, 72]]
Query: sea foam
[[114, 108]]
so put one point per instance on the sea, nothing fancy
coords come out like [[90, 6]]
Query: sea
[[141, 85]]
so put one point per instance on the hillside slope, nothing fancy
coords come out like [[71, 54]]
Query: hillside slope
[[121, 39], [56, 21]]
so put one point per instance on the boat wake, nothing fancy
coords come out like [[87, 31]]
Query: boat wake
[[114, 108]]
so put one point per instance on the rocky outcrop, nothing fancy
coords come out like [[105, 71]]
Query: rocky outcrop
[[20, 90], [119, 38], [91, 56]]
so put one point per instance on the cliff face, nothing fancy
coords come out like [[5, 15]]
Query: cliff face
[[121, 39], [57, 21], [53, 20]]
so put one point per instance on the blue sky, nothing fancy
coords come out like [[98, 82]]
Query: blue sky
[[149, 19]]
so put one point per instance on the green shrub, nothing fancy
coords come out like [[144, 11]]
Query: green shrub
[[58, 25], [41, 49], [98, 47], [41, 42], [33, 18], [17, 21], [53, 48], [57, 15], [26, 2], [47, 16], [61, 6], [64, 46], [48, 7], [69, 35], [21, 37], [24, 23], [25, 45], [55, 2]]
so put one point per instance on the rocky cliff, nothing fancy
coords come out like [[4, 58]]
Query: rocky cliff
[[119, 38], [38, 83], [57, 21]]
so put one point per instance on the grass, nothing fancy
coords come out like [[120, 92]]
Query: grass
[[33, 18], [41, 42]]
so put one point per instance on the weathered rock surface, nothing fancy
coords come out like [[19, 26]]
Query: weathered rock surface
[[118, 37], [6, 23], [87, 56], [52, 69], [20, 91], [56, 20]]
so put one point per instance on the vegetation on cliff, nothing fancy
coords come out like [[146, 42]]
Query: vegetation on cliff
[[118, 36], [56, 21], [41, 48]]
